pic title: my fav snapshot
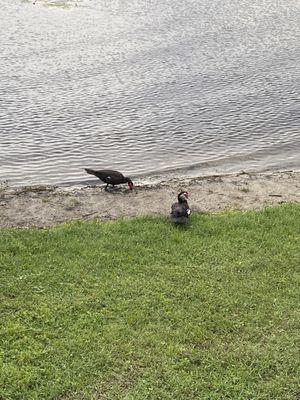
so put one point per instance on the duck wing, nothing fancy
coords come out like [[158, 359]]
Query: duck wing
[[179, 210], [112, 177], [108, 176]]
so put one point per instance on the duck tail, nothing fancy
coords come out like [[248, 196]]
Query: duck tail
[[90, 171]]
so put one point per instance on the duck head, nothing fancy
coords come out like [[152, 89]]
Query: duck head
[[183, 196], [130, 184]]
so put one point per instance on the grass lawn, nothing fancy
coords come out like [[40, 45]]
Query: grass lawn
[[140, 309]]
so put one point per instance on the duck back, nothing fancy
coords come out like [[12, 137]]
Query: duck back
[[108, 176]]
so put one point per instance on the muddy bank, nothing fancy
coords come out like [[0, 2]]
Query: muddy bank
[[45, 206]]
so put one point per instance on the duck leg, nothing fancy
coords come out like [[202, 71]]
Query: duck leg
[[106, 187]]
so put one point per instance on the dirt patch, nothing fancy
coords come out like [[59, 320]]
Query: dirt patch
[[45, 206]]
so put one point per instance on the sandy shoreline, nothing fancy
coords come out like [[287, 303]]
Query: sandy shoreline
[[46, 206]]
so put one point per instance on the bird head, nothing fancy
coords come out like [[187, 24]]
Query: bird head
[[130, 184], [183, 196]]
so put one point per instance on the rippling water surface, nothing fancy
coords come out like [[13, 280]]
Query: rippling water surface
[[147, 86]]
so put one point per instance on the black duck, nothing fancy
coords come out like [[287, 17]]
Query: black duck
[[110, 177], [180, 211]]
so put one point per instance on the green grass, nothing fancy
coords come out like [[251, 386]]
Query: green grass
[[140, 309]]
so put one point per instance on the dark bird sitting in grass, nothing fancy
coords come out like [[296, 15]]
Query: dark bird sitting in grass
[[110, 177], [180, 211]]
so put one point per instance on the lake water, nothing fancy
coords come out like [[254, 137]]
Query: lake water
[[173, 87]]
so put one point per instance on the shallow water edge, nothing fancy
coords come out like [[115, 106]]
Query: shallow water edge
[[47, 206]]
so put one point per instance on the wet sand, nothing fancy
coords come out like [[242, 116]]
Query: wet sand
[[46, 206]]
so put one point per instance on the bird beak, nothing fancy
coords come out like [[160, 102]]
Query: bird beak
[[130, 185]]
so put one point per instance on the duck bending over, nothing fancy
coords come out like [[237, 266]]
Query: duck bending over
[[180, 211], [110, 177]]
